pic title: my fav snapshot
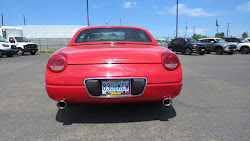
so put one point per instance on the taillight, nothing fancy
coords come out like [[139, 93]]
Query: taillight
[[58, 62], [170, 61]]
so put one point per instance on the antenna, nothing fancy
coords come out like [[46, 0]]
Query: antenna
[[88, 11], [228, 26]]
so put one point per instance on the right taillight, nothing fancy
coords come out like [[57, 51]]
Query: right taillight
[[58, 62], [170, 61]]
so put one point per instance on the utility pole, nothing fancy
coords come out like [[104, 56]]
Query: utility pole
[[186, 29], [177, 19], [194, 29], [88, 11], [228, 25], [23, 19], [2, 18]]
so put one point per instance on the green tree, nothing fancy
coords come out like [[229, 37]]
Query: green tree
[[245, 35], [198, 36], [220, 35]]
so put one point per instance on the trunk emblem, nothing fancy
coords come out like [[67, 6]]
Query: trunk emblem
[[114, 60]]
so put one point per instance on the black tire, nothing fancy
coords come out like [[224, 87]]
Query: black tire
[[1, 54], [187, 51], [208, 52], [20, 52], [10, 55], [33, 53], [230, 53], [218, 50], [244, 50], [170, 48], [202, 53]]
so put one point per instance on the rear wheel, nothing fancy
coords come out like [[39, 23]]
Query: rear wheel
[[170, 48], [244, 50], [202, 53], [187, 51], [230, 53], [1, 54], [9, 55], [218, 50]]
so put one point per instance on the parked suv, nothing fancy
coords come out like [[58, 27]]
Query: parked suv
[[241, 43], [6, 48], [187, 46], [218, 46]]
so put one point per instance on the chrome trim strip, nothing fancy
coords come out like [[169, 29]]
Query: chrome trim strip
[[109, 96]]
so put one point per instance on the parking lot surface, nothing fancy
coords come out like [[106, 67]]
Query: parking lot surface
[[214, 105]]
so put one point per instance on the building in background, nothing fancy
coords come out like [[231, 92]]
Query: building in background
[[50, 36]]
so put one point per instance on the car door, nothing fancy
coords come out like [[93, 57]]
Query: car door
[[180, 44], [174, 45], [210, 44]]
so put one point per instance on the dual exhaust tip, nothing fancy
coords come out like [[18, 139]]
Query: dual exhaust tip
[[62, 104], [167, 101]]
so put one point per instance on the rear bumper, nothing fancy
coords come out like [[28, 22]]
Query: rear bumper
[[78, 94]]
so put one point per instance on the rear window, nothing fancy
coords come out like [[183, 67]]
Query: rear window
[[112, 34]]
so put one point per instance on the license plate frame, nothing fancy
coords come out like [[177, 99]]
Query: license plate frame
[[116, 86]]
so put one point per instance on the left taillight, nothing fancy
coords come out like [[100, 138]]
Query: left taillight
[[57, 62], [170, 61]]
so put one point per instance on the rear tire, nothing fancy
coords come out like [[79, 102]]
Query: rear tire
[[9, 55], [202, 53], [187, 51], [170, 48], [230, 53], [244, 50], [218, 50], [1, 54]]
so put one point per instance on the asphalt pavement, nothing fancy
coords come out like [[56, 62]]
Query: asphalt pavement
[[214, 105]]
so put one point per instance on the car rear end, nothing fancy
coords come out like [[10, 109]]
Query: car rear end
[[131, 70], [94, 81]]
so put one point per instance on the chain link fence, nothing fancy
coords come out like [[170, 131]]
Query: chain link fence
[[50, 43]]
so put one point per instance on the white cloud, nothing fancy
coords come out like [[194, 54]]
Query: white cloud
[[244, 7], [129, 4], [183, 9]]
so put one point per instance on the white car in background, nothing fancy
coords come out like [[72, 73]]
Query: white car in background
[[6, 48], [243, 45]]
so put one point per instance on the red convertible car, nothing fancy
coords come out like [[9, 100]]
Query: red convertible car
[[113, 64]]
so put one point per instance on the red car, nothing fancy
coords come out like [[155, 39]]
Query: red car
[[113, 64]]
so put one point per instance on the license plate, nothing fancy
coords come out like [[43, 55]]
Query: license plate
[[234, 49], [116, 87], [33, 51], [202, 49]]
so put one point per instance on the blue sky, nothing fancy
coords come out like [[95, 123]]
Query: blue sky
[[158, 16]]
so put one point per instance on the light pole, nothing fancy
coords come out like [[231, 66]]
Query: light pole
[[88, 11], [177, 19], [228, 25]]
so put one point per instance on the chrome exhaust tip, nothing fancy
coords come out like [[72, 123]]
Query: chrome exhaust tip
[[167, 101], [61, 104]]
